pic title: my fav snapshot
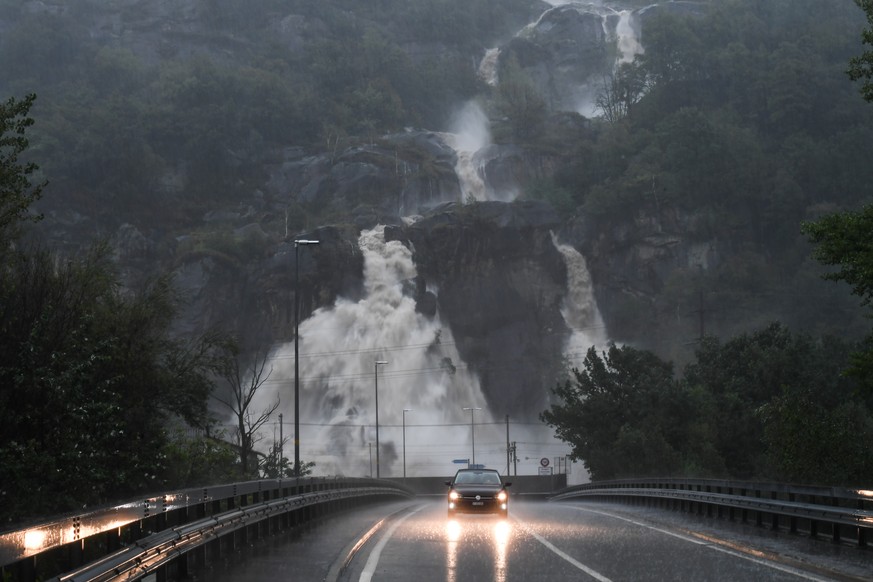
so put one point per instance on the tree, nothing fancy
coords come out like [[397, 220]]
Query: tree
[[625, 415], [17, 192], [751, 372], [844, 241], [198, 459], [861, 67], [621, 91], [520, 102], [244, 383], [770, 404], [90, 379], [810, 441]]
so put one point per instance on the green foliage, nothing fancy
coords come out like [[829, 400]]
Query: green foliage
[[17, 192], [861, 67], [622, 91], [812, 442], [93, 378], [273, 465], [159, 134], [747, 126], [197, 460], [625, 415], [843, 241], [749, 371], [521, 103], [771, 404], [560, 199]]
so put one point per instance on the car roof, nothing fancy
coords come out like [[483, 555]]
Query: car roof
[[478, 471]]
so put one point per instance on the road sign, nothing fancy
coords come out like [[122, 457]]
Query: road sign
[[461, 461], [544, 462]]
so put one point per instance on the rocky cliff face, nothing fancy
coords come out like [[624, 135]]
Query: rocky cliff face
[[489, 269], [499, 284]]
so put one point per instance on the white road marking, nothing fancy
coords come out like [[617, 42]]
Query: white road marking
[[373, 560], [593, 573], [713, 546]]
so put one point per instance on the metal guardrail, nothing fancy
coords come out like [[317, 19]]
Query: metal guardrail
[[841, 513], [132, 540]]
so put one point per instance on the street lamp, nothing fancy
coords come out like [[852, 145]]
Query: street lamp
[[376, 376], [405, 410], [297, 243], [473, 431]]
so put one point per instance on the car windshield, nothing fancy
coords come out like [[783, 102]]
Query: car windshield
[[478, 478]]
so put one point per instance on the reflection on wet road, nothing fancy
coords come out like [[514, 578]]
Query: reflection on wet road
[[558, 542], [539, 541], [499, 532]]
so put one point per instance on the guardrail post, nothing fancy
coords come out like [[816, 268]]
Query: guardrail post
[[759, 517], [198, 556], [792, 521], [774, 517]]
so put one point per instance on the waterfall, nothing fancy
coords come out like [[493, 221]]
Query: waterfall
[[580, 309], [628, 42], [340, 344], [488, 66], [338, 350], [470, 133]]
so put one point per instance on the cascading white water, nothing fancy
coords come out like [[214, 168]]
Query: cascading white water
[[624, 34], [338, 350], [580, 309], [340, 345], [488, 66], [470, 132], [628, 42]]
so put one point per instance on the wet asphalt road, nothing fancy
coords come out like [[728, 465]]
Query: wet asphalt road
[[415, 541]]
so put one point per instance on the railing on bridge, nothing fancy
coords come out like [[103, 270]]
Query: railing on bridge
[[838, 513], [170, 533], [167, 534]]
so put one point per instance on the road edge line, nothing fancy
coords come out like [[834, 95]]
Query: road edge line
[[339, 567]]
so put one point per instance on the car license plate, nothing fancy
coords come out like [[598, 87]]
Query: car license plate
[[478, 503]]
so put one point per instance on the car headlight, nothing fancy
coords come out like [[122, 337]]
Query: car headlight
[[501, 496], [453, 495]]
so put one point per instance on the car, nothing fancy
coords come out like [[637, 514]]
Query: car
[[478, 491]]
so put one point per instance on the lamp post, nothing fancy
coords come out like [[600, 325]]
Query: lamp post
[[405, 410], [473, 431], [297, 243], [376, 377]]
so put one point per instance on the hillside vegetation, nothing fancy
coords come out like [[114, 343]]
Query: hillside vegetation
[[738, 124]]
